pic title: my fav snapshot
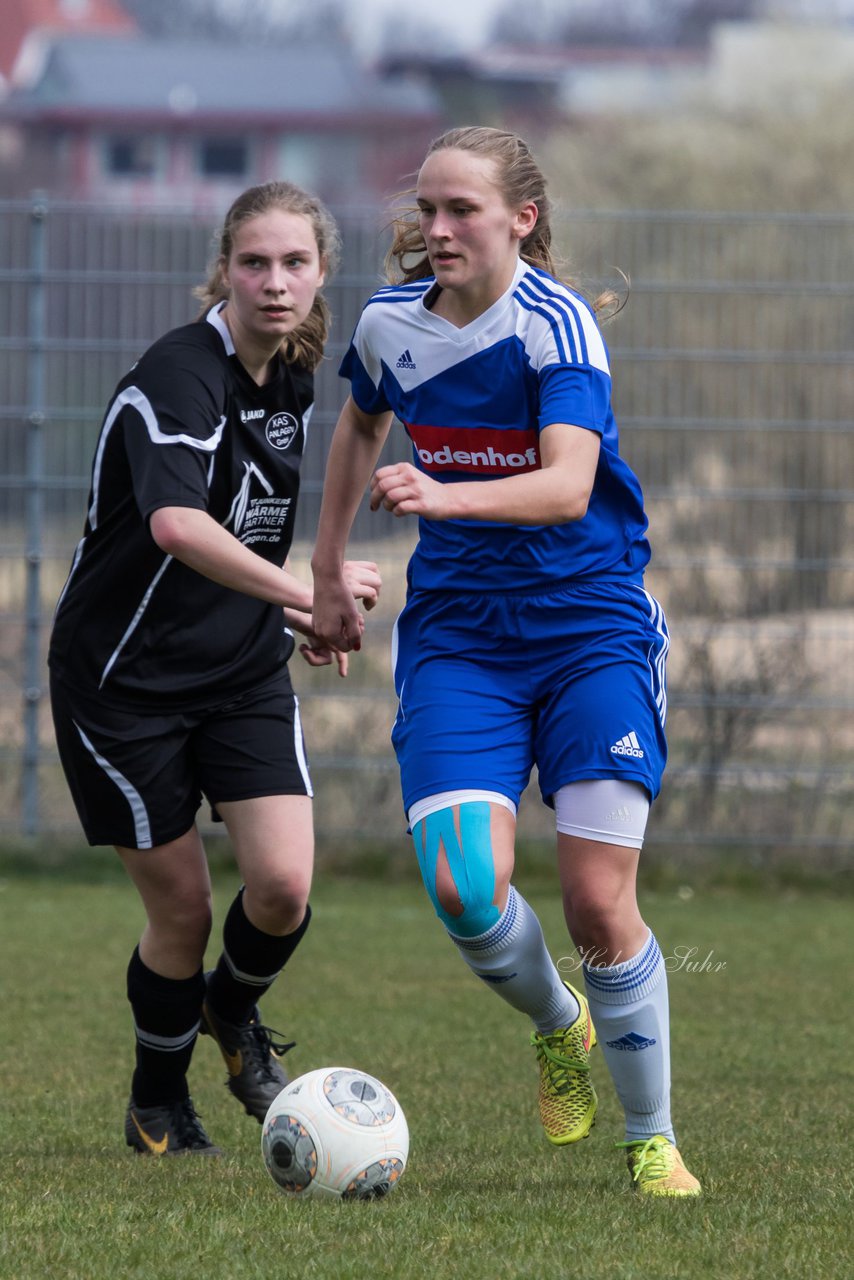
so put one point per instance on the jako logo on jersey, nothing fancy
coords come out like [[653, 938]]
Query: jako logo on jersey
[[281, 430], [628, 746], [405, 361], [250, 415], [481, 450]]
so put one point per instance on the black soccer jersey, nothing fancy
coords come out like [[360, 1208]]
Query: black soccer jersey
[[187, 427]]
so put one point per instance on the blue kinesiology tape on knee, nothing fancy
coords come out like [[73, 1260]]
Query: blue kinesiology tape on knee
[[469, 861]]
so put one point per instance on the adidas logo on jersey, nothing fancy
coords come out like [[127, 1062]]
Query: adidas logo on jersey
[[405, 360], [628, 746]]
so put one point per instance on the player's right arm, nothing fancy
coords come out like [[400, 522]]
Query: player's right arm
[[200, 542], [356, 446]]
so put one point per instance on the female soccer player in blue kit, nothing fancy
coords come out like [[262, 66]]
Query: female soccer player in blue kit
[[527, 635]]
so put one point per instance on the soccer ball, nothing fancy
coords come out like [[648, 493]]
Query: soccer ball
[[335, 1132]]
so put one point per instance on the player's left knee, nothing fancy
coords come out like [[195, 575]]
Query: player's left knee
[[600, 900], [277, 904], [597, 929]]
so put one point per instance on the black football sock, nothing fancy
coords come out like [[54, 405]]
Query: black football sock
[[166, 1021], [250, 962]]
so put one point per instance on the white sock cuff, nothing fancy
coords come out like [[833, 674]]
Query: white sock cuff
[[497, 936], [629, 981]]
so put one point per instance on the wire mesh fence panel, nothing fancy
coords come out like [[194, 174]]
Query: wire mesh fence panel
[[734, 391]]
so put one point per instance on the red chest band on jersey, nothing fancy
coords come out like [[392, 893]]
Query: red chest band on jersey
[[479, 450]]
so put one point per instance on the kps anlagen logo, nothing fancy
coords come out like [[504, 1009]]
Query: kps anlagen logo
[[281, 429]]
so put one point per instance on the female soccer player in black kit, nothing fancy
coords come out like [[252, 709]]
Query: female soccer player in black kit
[[168, 658]]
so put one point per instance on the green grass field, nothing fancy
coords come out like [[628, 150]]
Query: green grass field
[[762, 1052]]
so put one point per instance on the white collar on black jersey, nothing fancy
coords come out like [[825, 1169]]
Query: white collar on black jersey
[[213, 317], [483, 321]]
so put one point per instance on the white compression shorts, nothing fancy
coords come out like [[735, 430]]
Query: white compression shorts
[[603, 809]]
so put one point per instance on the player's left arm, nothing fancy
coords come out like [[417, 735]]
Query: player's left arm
[[558, 493]]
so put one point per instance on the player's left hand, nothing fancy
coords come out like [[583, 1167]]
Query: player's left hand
[[405, 491], [318, 654]]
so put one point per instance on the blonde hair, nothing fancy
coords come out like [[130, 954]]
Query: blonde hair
[[519, 180], [307, 342]]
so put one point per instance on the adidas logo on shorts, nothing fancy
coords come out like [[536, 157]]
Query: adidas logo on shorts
[[628, 746]]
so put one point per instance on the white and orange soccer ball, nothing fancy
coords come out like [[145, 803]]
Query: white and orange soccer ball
[[335, 1132]]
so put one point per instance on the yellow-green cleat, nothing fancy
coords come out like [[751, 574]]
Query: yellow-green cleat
[[567, 1098], [657, 1168]]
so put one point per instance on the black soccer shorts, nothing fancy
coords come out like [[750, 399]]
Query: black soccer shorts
[[137, 777]]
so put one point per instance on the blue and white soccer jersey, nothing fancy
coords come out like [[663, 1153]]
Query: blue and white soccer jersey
[[474, 401], [518, 644]]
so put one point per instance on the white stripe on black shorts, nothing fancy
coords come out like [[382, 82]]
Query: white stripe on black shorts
[[138, 776]]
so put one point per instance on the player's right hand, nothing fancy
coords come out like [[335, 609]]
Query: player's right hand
[[335, 620]]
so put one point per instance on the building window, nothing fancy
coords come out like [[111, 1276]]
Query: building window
[[129, 157], [334, 166], [223, 158]]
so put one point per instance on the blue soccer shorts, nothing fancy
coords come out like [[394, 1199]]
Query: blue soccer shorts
[[490, 685]]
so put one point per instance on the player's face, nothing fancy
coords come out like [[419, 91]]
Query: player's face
[[471, 233], [274, 272]]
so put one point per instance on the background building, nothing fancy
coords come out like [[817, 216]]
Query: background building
[[98, 112]]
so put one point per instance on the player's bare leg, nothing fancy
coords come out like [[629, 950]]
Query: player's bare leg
[[626, 982], [165, 989], [174, 884], [273, 839]]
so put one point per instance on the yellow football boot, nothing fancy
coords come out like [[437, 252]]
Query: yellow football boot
[[567, 1098], [657, 1168]]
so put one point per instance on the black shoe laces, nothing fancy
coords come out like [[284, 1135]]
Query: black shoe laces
[[188, 1126], [262, 1044]]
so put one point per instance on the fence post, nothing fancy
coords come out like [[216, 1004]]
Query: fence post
[[33, 675]]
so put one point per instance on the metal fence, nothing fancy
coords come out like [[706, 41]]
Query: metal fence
[[734, 389]]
